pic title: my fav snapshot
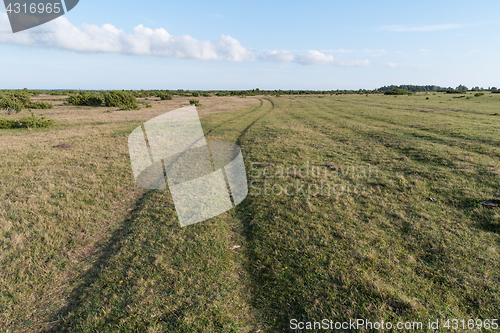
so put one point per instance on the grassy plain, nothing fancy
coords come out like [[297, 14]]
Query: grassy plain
[[82, 249]]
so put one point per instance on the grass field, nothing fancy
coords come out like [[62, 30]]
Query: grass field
[[85, 250]]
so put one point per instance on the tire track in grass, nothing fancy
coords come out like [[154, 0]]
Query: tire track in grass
[[278, 234], [244, 132], [81, 310], [275, 292], [235, 118], [237, 234], [257, 218]]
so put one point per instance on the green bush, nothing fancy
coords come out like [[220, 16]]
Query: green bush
[[26, 122], [397, 91], [121, 99], [40, 105], [5, 123], [195, 94], [166, 97], [86, 98], [479, 94], [206, 94], [15, 100], [22, 96], [10, 105], [196, 102], [147, 105]]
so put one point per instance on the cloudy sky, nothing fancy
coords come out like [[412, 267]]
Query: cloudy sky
[[256, 44]]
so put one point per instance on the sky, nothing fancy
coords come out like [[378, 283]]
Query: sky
[[237, 45]]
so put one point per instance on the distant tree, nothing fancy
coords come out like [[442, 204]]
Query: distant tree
[[397, 91], [461, 88], [410, 87]]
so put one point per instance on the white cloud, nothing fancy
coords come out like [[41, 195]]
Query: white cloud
[[314, 58], [232, 49], [424, 28], [109, 39], [90, 38], [277, 56], [391, 65]]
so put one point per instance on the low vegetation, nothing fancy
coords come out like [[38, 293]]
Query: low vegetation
[[391, 227], [121, 99], [17, 100], [165, 96], [195, 102], [397, 91], [86, 98], [25, 122], [10, 105]]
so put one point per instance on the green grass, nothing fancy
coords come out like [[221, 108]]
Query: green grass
[[84, 250]]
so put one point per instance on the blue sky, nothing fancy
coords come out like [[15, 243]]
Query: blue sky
[[256, 44]]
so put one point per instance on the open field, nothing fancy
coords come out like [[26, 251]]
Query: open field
[[85, 250]]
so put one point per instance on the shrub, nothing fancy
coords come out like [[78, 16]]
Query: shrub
[[86, 98], [206, 94], [40, 105], [35, 122], [196, 102], [15, 101], [147, 105], [166, 97], [22, 96], [195, 94], [26, 122], [427, 98], [397, 91], [10, 105], [222, 93], [454, 91], [123, 100], [479, 94]]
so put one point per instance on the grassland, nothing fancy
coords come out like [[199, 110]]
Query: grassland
[[84, 250]]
